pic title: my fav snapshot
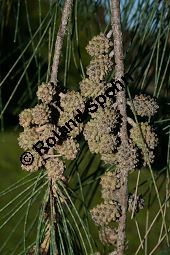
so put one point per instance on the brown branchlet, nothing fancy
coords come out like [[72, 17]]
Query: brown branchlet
[[104, 131]]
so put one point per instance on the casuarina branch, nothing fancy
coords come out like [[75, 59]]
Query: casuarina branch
[[91, 106]]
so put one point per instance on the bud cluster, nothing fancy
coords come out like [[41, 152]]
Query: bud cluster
[[42, 138], [99, 45], [109, 210], [106, 212], [135, 203], [145, 105], [99, 131], [145, 138]]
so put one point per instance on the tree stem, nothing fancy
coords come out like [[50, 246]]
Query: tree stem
[[60, 38], [121, 100]]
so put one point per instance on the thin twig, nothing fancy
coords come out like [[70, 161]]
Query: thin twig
[[121, 99], [60, 38], [54, 72]]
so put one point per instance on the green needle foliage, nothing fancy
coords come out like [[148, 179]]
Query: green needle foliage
[[32, 219]]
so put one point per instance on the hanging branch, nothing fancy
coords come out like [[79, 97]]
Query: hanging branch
[[121, 100], [60, 38], [67, 10]]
